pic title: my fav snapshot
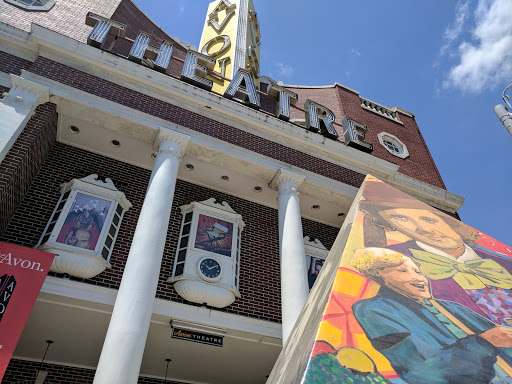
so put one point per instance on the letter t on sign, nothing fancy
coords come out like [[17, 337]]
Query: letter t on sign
[[285, 97]]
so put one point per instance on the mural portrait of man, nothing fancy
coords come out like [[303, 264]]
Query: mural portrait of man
[[427, 340], [445, 248]]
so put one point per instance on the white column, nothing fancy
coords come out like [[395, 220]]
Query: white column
[[123, 348], [294, 282], [16, 109]]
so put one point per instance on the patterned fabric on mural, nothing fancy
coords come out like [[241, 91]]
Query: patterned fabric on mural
[[495, 302]]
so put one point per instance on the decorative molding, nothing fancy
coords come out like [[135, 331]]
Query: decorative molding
[[314, 243], [26, 93], [95, 180], [179, 142], [211, 202], [14, 33], [403, 111], [379, 109], [199, 292], [78, 265], [286, 179], [315, 248]]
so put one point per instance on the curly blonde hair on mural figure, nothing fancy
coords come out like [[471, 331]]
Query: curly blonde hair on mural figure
[[369, 261]]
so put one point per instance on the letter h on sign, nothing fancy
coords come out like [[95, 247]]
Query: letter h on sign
[[142, 50]]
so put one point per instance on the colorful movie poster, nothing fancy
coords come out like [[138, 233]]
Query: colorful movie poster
[[214, 235], [84, 222], [22, 273], [314, 265], [418, 297]]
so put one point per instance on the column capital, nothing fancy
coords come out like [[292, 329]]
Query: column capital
[[284, 176], [26, 93], [173, 142]]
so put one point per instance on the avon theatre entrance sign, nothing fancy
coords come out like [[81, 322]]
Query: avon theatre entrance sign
[[22, 273]]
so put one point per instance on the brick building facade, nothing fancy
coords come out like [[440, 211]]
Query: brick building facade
[[90, 111]]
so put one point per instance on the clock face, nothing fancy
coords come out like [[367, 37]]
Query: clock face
[[209, 269]]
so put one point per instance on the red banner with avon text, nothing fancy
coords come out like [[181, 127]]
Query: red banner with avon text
[[22, 273]]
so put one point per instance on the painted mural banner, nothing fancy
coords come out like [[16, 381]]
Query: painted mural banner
[[408, 294], [22, 273]]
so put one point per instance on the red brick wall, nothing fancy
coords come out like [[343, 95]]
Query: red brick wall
[[24, 160], [419, 164], [194, 121], [259, 268], [24, 372], [12, 64]]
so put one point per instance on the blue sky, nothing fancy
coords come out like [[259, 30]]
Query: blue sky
[[445, 61]]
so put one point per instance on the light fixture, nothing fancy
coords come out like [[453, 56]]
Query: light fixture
[[115, 143], [258, 189], [167, 369], [41, 375], [315, 207], [224, 178], [74, 129], [189, 167], [503, 113]]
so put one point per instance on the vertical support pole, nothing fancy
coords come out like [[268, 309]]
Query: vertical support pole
[[294, 282], [123, 348]]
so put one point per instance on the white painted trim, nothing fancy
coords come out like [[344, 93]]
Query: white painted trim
[[167, 308]]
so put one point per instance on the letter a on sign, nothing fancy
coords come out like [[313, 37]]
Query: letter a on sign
[[19, 287]]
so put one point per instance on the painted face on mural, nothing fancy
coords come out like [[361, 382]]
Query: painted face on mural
[[80, 238], [424, 226], [407, 280]]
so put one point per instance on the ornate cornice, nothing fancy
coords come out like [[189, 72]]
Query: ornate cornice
[[26, 93], [285, 179]]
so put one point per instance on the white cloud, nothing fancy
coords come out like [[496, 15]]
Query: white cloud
[[181, 8], [452, 32], [356, 52], [285, 69], [485, 60]]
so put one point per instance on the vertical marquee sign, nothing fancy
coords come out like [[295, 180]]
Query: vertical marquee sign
[[22, 273]]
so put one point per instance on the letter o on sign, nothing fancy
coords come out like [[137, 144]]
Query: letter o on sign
[[225, 46]]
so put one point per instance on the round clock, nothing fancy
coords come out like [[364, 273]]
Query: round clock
[[209, 269]]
